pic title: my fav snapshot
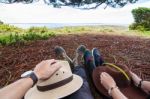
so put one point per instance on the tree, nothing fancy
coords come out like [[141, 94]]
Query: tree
[[142, 19], [77, 3]]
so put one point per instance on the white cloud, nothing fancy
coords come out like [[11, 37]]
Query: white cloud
[[42, 13]]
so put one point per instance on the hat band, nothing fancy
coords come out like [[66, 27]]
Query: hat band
[[55, 85], [118, 68]]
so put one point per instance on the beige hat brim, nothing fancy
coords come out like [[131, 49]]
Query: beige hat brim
[[56, 93]]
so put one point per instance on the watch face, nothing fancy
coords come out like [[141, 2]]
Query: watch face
[[27, 73]]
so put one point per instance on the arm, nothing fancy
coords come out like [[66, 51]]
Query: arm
[[108, 82], [145, 85], [18, 89], [117, 94]]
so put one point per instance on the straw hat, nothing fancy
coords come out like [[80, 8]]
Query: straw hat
[[61, 84], [122, 79]]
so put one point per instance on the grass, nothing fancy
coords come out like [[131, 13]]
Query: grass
[[11, 34], [12, 38], [6, 28], [145, 33]]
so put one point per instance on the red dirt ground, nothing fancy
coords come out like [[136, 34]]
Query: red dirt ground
[[132, 51]]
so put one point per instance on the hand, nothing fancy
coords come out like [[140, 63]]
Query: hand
[[135, 78], [144, 84], [46, 69], [107, 81]]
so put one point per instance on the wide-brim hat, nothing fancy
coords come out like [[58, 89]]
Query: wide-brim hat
[[59, 85], [122, 79]]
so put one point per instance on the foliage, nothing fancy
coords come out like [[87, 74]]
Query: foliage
[[34, 33], [17, 38], [38, 30], [1, 22], [37, 33], [142, 19], [5, 28], [77, 3]]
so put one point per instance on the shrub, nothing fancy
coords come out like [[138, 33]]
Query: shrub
[[38, 30], [1, 22], [6, 28], [12, 38], [142, 19], [10, 34]]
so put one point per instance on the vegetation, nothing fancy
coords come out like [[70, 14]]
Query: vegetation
[[142, 19], [38, 30], [77, 3], [6, 28], [11, 34], [1, 22]]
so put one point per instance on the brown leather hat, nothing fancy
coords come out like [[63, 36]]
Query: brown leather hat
[[122, 80]]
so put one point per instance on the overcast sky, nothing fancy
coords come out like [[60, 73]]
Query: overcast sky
[[41, 13]]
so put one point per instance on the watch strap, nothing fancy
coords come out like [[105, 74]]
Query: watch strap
[[140, 84], [34, 78]]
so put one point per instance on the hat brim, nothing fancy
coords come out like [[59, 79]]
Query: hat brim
[[130, 91], [56, 93]]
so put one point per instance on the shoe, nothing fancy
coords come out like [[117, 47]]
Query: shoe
[[78, 60], [97, 57], [81, 49], [59, 51], [89, 62]]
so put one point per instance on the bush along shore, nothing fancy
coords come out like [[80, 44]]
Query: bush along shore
[[10, 34]]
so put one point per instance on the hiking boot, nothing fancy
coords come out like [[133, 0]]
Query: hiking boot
[[89, 62], [81, 49], [97, 57], [59, 51], [78, 60]]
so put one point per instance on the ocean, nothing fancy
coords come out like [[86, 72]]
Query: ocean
[[58, 25]]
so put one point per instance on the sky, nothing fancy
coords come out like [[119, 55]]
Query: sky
[[41, 13]]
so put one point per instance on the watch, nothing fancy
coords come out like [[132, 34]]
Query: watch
[[31, 75]]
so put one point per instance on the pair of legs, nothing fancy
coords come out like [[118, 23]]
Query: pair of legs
[[91, 61], [77, 68], [94, 59]]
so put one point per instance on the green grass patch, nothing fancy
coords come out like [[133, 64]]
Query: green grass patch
[[7, 39], [10, 34], [144, 33]]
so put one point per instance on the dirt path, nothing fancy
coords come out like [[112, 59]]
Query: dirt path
[[134, 52]]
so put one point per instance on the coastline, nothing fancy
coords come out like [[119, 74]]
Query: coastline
[[60, 25]]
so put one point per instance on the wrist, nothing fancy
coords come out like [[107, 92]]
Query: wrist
[[37, 75], [142, 85], [116, 92], [34, 77], [112, 90], [30, 75], [29, 80]]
